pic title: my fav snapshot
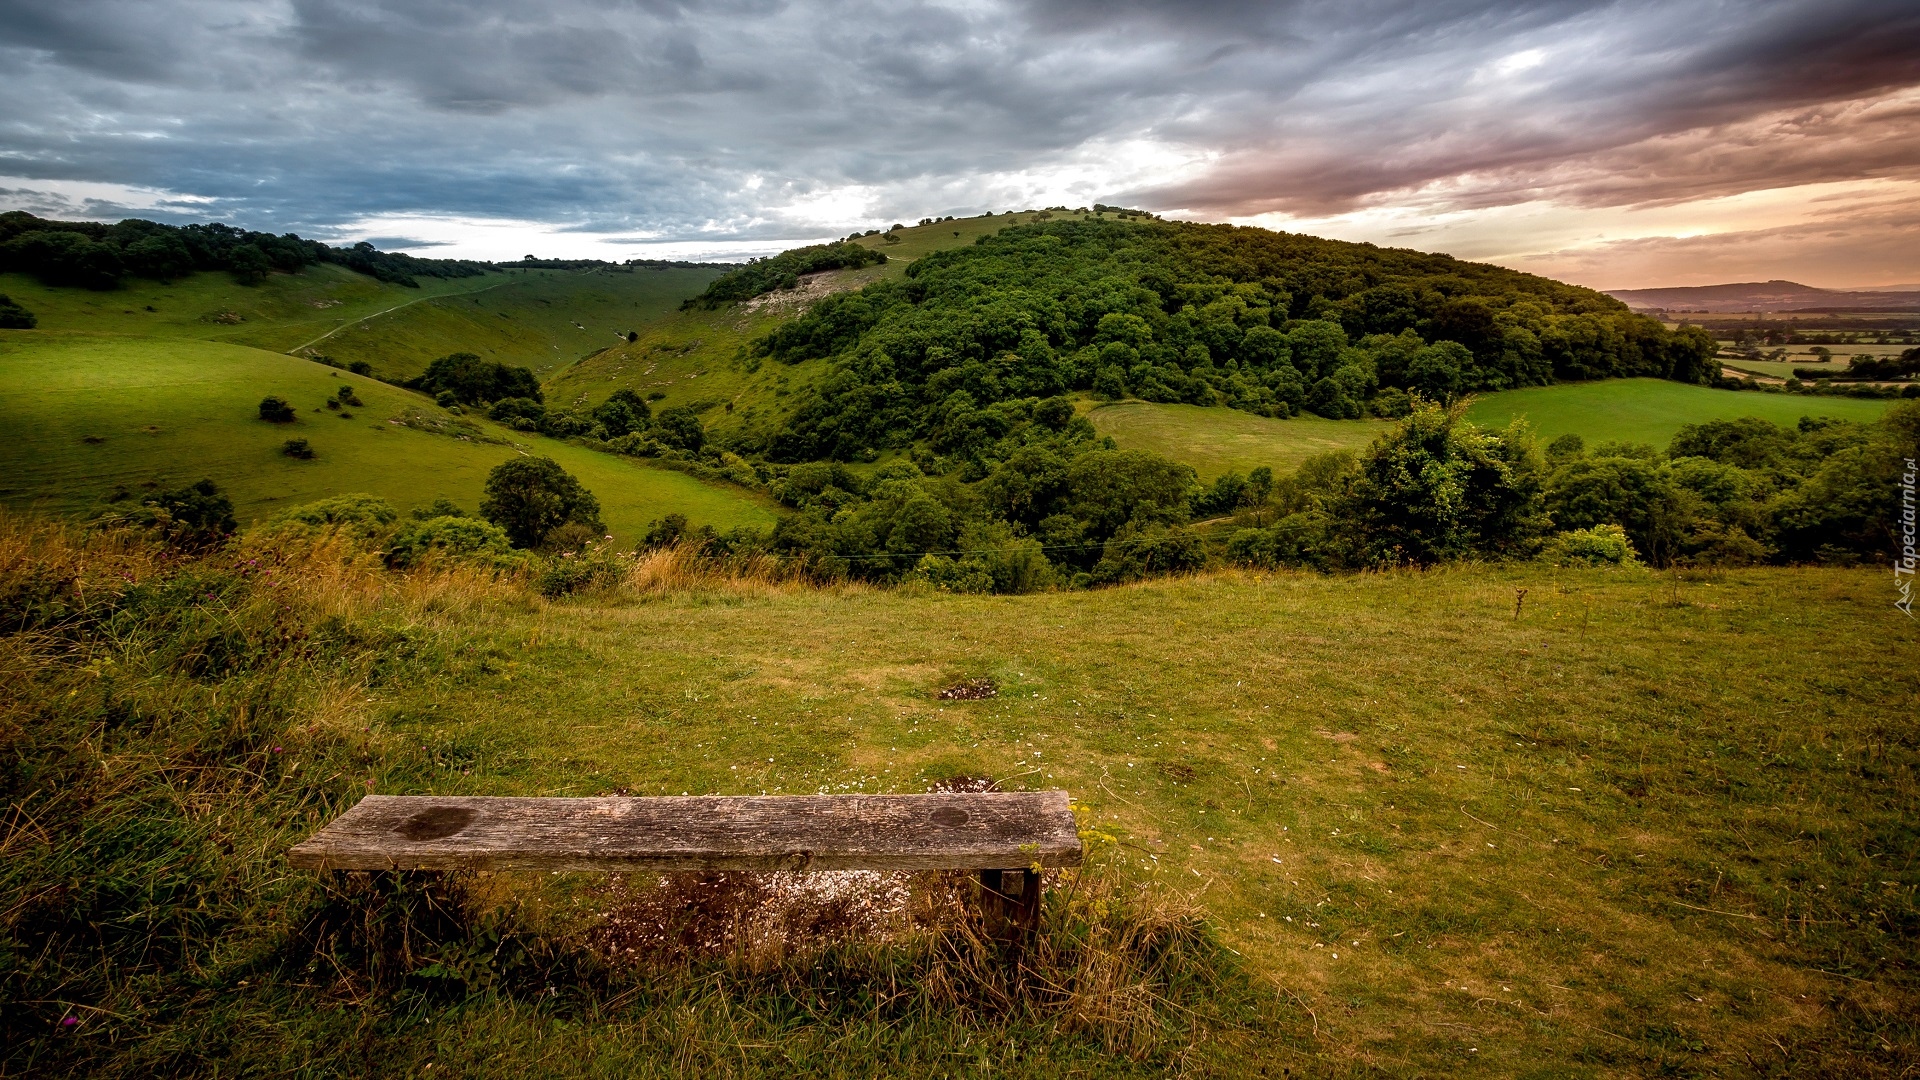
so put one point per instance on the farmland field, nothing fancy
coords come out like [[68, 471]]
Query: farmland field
[[87, 415]]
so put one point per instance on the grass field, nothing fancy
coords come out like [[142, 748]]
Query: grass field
[[1216, 441], [1651, 410], [1586, 837], [542, 319], [278, 314], [168, 412]]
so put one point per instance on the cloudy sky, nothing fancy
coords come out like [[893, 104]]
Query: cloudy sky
[[1614, 144]]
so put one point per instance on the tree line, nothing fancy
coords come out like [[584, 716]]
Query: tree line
[[97, 255]]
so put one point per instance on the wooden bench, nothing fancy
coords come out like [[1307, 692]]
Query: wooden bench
[[1007, 837]]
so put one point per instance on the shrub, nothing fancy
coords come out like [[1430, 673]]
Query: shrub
[[1602, 545], [356, 514], [275, 410], [297, 448], [582, 571], [195, 517], [15, 317], [448, 537], [472, 381], [530, 497]]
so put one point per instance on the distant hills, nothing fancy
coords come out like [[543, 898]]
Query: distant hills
[[1773, 295]]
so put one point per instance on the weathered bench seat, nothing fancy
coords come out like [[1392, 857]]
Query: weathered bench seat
[[958, 831], [1007, 837]]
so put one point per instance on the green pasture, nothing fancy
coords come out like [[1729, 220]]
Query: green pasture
[[1651, 410], [697, 358], [161, 413], [1216, 441], [1474, 822], [545, 320], [278, 314], [542, 319]]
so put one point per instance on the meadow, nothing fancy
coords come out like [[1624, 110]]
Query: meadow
[[92, 418], [1651, 410], [1215, 441], [1481, 821], [540, 319]]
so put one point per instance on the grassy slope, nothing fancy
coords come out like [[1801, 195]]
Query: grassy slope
[[173, 411], [278, 314], [1215, 441], [1651, 410], [1580, 837], [545, 320]]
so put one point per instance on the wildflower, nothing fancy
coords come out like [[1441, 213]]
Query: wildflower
[[69, 1021]]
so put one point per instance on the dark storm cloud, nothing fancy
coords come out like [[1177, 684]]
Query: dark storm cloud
[[675, 120]]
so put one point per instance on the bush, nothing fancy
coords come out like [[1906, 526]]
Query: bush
[[297, 448], [276, 410], [194, 517], [1602, 545], [448, 537], [359, 515], [530, 497], [473, 381], [15, 317]]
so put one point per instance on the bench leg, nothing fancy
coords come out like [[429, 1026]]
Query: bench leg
[[1010, 899]]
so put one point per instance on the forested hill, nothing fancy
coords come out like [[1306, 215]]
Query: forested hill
[[99, 255], [1274, 323]]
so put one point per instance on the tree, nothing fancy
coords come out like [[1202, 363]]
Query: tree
[[275, 410], [530, 497], [1439, 370], [249, 264], [298, 448], [679, 427], [1436, 487]]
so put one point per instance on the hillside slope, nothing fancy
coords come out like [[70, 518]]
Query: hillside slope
[[93, 418]]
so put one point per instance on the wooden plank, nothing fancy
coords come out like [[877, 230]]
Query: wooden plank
[[962, 831]]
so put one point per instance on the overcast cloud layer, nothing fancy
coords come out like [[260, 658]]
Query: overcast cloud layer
[[1615, 144]]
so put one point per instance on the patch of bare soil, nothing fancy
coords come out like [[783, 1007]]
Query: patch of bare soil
[[970, 690], [763, 918], [795, 300]]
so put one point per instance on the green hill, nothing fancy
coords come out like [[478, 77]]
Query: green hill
[[90, 416], [539, 319], [702, 357]]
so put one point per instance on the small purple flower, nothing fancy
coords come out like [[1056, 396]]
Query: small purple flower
[[69, 1021], [276, 749]]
